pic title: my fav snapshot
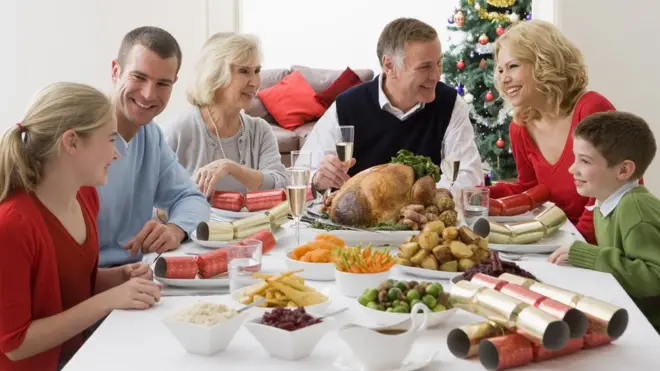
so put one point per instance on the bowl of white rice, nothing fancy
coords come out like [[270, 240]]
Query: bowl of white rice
[[205, 328]]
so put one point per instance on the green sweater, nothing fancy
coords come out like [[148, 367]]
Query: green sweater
[[629, 249]]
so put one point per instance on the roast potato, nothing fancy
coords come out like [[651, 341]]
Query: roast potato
[[428, 240], [419, 257], [436, 226], [467, 235], [442, 254], [408, 249], [465, 264], [430, 263], [450, 233], [403, 261], [451, 266], [460, 250]]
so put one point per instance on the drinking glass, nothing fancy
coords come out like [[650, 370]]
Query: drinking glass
[[296, 194], [244, 259], [345, 144], [475, 204], [301, 159]]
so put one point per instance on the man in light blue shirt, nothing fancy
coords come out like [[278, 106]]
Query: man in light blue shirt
[[147, 173]]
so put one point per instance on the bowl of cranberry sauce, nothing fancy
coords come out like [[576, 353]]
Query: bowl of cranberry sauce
[[288, 333]]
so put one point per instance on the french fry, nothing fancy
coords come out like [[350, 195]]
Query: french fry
[[282, 275], [276, 303]]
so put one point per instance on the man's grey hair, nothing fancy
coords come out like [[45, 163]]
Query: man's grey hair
[[397, 33]]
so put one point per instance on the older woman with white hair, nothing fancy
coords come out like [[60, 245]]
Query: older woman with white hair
[[222, 147]]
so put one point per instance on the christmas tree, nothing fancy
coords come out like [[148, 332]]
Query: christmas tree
[[469, 66]]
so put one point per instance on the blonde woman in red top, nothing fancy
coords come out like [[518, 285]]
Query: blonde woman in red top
[[542, 75], [50, 288]]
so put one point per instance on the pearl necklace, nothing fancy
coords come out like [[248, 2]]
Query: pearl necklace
[[217, 134]]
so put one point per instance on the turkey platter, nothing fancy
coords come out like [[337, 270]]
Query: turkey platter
[[401, 194]]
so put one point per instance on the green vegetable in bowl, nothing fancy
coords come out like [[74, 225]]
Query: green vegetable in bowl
[[434, 289], [399, 296], [413, 295], [430, 301]]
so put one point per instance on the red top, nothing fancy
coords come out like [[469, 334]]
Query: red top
[[43, 271], [533, 168]]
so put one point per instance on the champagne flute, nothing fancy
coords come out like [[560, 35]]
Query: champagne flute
[[296, 194], [345, 145], [302, 159]]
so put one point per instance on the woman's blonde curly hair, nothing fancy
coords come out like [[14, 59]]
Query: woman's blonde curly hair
[[558, 66]]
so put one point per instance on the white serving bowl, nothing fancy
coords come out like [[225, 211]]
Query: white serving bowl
[[388, 319], [201, 339], [316, 308], [288, 345], [312, 271], [354, 284]]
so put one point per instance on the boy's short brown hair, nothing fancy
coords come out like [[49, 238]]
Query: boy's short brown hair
[[619, 136]]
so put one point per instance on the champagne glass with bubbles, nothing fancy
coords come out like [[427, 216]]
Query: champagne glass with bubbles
[[345, 144], [296, 194]]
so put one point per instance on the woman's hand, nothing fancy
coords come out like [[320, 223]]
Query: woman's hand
[[208, 176], [136, 293], [137, 270]]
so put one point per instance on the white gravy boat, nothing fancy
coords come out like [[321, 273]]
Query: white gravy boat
[[383, 349]]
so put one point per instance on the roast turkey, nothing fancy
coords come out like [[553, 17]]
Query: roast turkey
[[376, 195]]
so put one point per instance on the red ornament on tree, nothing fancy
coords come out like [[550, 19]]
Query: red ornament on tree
[[499, 30], [483, 39], [482, 64], [500, 143], [460, 65], [489, 96]]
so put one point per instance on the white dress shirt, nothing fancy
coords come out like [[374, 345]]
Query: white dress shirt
[[458, 141], [613, 200]]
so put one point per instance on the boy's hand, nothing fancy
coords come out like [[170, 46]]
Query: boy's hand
[[560, 256]]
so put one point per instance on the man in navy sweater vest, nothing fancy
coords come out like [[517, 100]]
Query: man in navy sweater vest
[[405, 107]]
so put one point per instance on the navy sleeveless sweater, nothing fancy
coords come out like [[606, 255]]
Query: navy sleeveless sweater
[[379, 135]]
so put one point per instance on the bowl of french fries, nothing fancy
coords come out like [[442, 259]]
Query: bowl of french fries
[[282, 290]]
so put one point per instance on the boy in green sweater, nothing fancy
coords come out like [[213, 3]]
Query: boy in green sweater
[[612, 152]]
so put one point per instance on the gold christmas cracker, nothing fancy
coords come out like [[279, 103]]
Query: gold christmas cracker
[[510, 313], [604, 318], [528, 231]]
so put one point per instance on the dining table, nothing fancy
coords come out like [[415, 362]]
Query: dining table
[[138, 339]]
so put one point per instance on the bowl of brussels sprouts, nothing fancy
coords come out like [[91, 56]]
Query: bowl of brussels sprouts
[[389, 304]]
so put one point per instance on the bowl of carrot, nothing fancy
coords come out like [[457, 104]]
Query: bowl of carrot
[[316, 258], [360, 268]]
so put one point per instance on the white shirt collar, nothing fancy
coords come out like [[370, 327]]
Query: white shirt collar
[[386, 105], [613, 200]]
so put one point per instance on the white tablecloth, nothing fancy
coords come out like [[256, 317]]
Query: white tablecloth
[[137, 340]]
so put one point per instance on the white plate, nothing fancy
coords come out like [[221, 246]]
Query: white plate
[[210, 244], [427, 273], [419, 357], [221, 281], [234, 214], [545, 245], [351, 238]]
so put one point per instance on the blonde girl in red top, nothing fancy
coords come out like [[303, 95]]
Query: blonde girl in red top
[[542, 75], [51, 290]]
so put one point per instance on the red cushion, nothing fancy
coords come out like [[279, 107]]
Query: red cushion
[[291, 101], [346, 80]]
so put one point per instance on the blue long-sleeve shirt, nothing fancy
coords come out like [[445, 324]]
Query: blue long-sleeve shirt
[[146, 175]]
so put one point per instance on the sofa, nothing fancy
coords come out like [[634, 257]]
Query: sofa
[[319, 79]]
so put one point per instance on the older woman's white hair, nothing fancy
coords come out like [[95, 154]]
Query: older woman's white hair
[[213, 68]]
